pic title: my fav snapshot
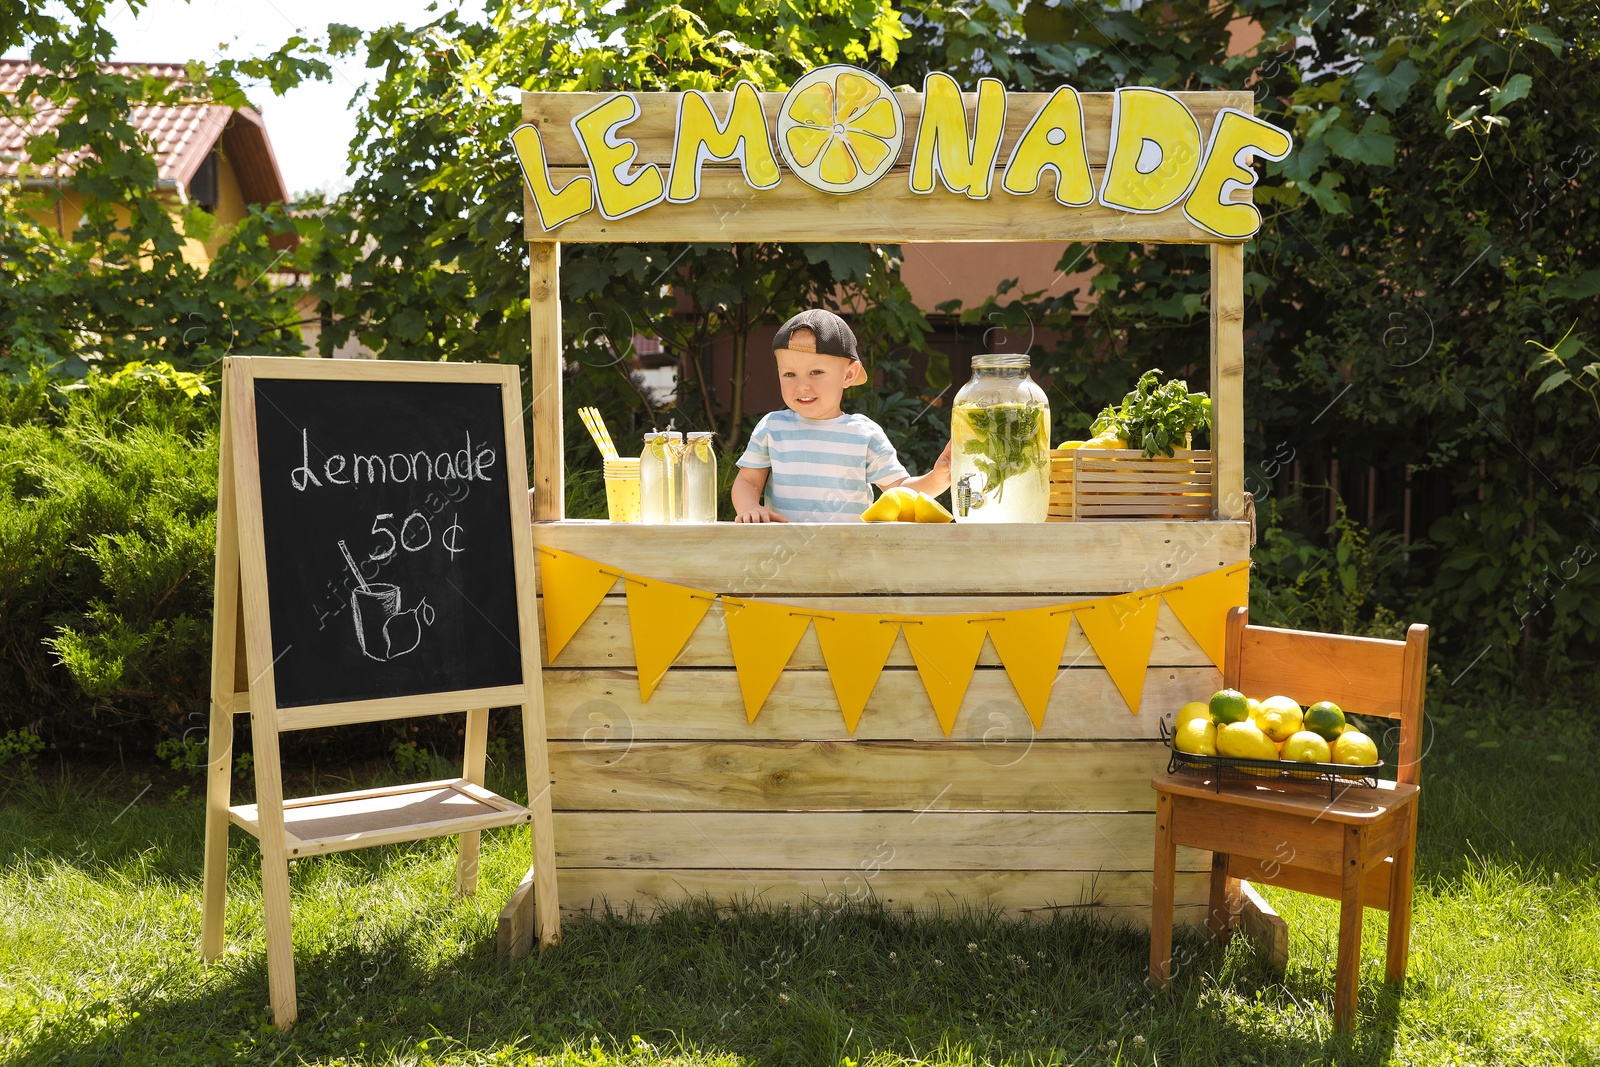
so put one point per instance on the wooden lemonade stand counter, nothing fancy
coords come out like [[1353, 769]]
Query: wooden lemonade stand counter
[[690, 794]]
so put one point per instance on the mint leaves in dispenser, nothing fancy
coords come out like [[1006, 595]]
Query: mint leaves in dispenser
[[1000, 454]]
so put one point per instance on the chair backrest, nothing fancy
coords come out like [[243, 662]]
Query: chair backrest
[[1363, 675]]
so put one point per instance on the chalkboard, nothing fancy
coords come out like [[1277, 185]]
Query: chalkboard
[[386, 518]]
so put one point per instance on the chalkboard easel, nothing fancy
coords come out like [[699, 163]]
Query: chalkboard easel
[[374, 562]]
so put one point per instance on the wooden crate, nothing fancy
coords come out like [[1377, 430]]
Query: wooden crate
[[1118, 484], [683, 797]]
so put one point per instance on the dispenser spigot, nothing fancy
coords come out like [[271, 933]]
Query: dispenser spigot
[[967, 498]]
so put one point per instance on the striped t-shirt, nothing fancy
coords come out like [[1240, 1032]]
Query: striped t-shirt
[[823, 470]]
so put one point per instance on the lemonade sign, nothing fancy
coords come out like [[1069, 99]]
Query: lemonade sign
[[841, 130]]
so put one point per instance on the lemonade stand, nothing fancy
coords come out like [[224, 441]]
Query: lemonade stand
[[931, 716]]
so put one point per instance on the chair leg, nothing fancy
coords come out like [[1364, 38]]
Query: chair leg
[[1347, 971], [1400, 887], [1219, 914], [1161, 895]]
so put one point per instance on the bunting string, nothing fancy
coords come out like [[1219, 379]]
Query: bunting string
[[945, 647]]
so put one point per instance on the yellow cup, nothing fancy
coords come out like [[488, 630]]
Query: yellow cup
[[622, 489]]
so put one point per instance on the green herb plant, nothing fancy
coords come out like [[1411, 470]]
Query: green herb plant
[[1157, 416], [1005, 440]]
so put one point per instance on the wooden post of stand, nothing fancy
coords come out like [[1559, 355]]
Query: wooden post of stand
[[544, 372], [1227, 379]]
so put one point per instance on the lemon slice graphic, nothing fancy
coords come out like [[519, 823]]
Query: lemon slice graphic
[[840, 129]]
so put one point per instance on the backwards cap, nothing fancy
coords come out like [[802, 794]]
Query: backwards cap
[[833, 336]]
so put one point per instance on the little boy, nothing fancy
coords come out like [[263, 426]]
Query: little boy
[[823, 463]]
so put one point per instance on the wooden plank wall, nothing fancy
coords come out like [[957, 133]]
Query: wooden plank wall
[[683, 797], [730, 210]]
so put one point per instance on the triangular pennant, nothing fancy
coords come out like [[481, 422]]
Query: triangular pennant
[[1202, 605], [1121, 630], [945, 648], [661, 617], [572, 588], [763, 637], [855, 647], [1030, 643]]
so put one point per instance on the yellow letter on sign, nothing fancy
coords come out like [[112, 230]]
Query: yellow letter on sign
[[1233, 139], [554, 208], [1155, 151], [611, 157], [1054, 140], [963, 162], [744, 137]]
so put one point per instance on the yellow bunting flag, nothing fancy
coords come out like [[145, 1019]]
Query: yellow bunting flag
[[1121, 630], [855, 647], [763, 637], [1202, 604], [945, 648], [1030, 644], [572, 588], [661, 617]]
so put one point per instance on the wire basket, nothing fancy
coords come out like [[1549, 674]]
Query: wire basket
[[1336, 776]]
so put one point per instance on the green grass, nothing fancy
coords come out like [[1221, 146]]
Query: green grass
[[100, 911]]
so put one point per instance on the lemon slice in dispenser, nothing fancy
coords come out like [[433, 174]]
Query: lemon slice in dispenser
[[840, 129]]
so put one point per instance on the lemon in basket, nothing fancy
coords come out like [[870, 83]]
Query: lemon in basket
[[840, 129], [1355, 748], [1197, 737], [1195, 709], [1280, 718], [1229, 706], [1306, 747], [1242, 740], [1325, 718]]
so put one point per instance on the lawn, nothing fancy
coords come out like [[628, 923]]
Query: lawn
[[99, 875]]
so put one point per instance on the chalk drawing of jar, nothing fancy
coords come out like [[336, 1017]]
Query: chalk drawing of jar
[[382, 629]]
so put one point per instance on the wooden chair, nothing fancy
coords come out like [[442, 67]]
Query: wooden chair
[[1357, 848]]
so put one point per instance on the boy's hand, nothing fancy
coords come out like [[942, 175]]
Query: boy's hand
[[759, 513]]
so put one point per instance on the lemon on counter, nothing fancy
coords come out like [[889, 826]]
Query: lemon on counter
[[895, 505], [1306, 747], [927, 509], [1242, 740], [1197, 736]]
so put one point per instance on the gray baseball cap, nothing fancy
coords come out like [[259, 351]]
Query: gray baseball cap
[[833, 334]]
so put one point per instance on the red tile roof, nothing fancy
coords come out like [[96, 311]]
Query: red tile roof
[[182, 135]]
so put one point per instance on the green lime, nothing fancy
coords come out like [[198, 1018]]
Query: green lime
[[1229, 705], [1325, 719]]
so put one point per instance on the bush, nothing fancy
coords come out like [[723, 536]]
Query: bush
[[107, 528]]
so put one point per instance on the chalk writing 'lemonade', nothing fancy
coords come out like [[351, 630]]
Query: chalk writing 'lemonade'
[[464, 464]]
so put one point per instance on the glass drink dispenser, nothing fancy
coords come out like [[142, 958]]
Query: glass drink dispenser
[[1000, 452]]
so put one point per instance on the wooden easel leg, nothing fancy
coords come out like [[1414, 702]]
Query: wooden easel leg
[[214, 892], [274, 870], [1347, 971], [473, 765], [1219, 916], [1398, 950], [1166, 860], [280, 940]]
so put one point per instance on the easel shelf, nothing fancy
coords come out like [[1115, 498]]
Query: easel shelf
[[337, 822]]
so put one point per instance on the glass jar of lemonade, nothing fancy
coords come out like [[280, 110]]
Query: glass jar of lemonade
[[1000, 449]]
